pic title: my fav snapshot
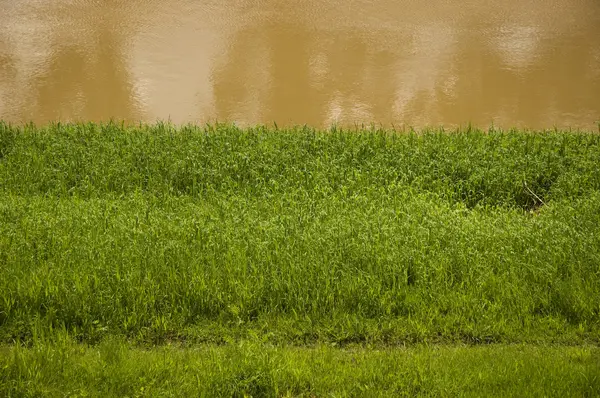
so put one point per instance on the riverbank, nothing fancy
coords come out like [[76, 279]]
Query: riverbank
[[217, 237]]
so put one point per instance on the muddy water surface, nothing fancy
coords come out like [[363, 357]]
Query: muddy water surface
[[529, 63]]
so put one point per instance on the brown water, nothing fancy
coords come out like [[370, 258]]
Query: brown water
[[529, 63]]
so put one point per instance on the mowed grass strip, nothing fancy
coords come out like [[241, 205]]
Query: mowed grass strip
[[217, 234], [116, 369]]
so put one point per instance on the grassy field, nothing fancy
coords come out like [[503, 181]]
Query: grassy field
[[301, 244]]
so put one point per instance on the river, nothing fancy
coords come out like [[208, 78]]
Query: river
[[526, 63]]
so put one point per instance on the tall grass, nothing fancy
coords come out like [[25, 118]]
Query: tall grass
[[471, 167], [216, 234]]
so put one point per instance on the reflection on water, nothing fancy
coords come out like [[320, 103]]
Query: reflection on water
[[532, 63]]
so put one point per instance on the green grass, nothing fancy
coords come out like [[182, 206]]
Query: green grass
[[114, 368], [293, 238]]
